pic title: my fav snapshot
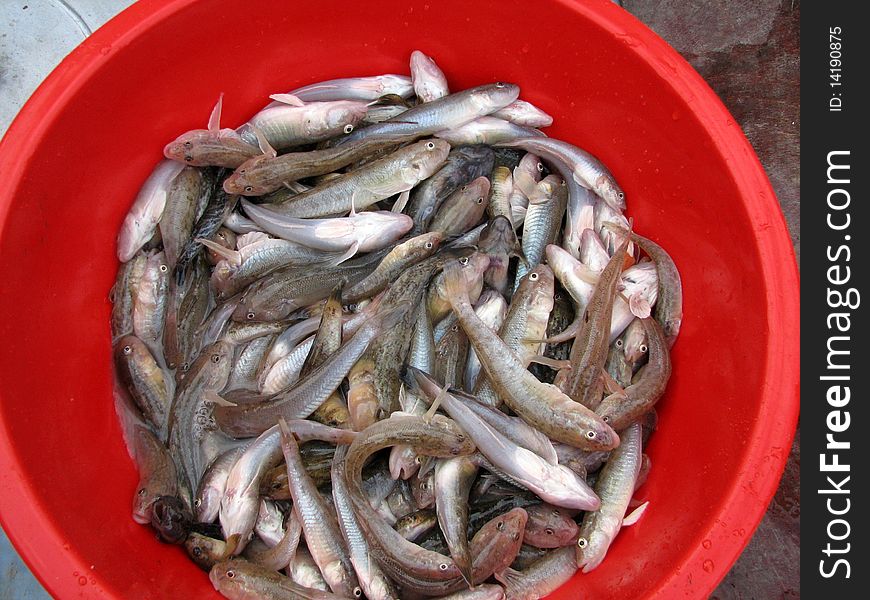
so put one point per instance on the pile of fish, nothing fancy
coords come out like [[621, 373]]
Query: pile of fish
[[388, 341]]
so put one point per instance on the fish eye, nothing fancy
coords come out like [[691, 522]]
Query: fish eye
[[188, 158], [188, 144], [643, 348], [443, 566], [424, 486], [460, 438], [429, 245], [418, 460], [499, 84], [430, 145], [357, 592], [590, 435], [197, 551], [463, 261], [142, 492], [500, 525], [533, 277], [606, 419], [197, 503], [516, 536], [185, 366], [540, 167], [163, 268], [249, 188], [128, 349], [215, 358], [455, 328], [231, 574], [250, 315], [276, 486], [620, 195], [549, 531], [582, 543], [348, 128], [242, 171], [464, 187], [618, 343], [480, 200]]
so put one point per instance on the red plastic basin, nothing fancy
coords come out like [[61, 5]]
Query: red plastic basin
[[75, 157]]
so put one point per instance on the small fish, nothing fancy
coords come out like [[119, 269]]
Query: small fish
[[356, 88], [157, 475], [140, 375], [463, 209], [524, 113], [141, 222], [428, 80], [487, 130]]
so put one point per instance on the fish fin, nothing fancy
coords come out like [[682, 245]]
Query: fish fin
[[455, 285], [231, 255], [525, 183], [252, 237], [553, 363], [352, 204], [610, 384], [289, 99], [635, 515], [217, 399], [510, 578], [346, 255], [586, 274], [579, 180], [435, 404], [639, 306], [232, 546], [265, 147], [569, 333], [214, 121], [401, 201]]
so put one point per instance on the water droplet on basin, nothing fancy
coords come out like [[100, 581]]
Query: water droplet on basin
[[708, 565], [707, 544], [83, 580], [105, 50]]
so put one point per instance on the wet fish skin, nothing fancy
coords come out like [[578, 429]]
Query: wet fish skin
[[212, 485], [615, 485], [428, 80], [122, 295], [550, 527], [187, 198], [142, 377], [356, 88], [401, 257], [149, 303], [622, 408], [487, 130], [157, 475], [205, 148], [448, 112], [543, 221], [463, 209], [392, 174], [575, 164], [322, 534], [453, 479], [239, 579], [374, 583], [463, 165], [310, 392], [285, 125], [543, 576], [141, 222], [524, 113], [553, 483], [585, 382]]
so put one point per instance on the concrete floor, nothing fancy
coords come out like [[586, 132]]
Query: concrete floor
[[748, 50]]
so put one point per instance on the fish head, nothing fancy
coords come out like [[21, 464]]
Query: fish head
[[530, 166], [506, 531], [610, 191], [404, 462], [207, 503], [599, 435], [220, 361], [592, 545], [550, 526], [231, 577], [245, 179], [633, 342], [423, 490], [343, 115], [425, 159], [539, 286], [341, 580], [489, 98], [204, 551], [499, 237], [186, 147], [170, 519]]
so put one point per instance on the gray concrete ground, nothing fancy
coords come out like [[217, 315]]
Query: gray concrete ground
[[748, 50]]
